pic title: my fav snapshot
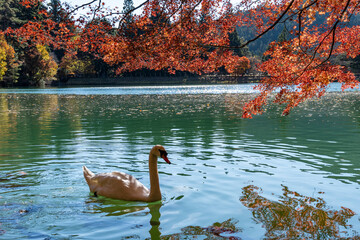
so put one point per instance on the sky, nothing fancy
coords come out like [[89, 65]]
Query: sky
[[111, 4], [108, 3]]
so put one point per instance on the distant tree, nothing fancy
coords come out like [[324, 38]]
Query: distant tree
[[55, 10], [38, 66], [355, 65], [6, 52], [71, 66], [9, 14], [127, 10], [126, 27], [284, 36], [8, 63], [242, 65], [37, 12], [236, 42]]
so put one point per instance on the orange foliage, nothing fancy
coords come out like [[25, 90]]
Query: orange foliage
[[300, 69], [240, 66], [30, 3]]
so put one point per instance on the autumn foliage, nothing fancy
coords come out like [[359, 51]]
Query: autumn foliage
[[193, 36], [6, 56], [299, 68]]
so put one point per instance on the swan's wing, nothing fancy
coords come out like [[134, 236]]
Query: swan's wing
[[118, 185], [117, 179]]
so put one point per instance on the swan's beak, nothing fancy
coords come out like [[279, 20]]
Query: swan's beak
[[163, 156]]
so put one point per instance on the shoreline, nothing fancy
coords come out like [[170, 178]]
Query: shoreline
[[157, 80]]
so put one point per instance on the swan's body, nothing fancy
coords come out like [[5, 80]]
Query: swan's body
[[123, 186]]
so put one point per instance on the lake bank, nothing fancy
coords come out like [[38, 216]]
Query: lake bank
[[161, 80], [158, 80]]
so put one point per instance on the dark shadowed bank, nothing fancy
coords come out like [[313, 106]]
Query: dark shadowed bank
[[158, 80], [162, 80]]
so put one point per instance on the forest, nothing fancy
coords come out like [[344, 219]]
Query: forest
[[37, 64], [303, 43]]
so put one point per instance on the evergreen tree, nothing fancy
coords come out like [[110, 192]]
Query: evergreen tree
[[32, 14], [9, 14], [55, 10], [236, 41], [125, 26], [283, 36], [127, 8], [14, 15]]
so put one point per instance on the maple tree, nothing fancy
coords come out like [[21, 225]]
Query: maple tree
[[193, 36]]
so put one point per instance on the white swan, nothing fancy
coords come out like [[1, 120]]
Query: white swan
[[123, 186]]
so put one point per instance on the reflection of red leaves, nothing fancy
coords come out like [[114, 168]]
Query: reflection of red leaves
[[218, 230], [295, 215], [225, 230]]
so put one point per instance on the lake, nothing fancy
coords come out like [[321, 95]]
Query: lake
[[270, 177]]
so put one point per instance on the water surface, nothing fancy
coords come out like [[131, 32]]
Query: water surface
[[268, 177]]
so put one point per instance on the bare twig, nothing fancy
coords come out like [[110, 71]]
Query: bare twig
[[300, 28], [81, 6]]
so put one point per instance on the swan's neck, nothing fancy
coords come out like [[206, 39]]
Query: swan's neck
[[155, 193]]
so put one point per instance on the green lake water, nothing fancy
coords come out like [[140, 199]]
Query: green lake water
[[270, 177]]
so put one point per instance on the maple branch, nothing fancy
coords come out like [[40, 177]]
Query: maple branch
[[111, 13], [261, 34], [97, 9], [81, 6], [171, 15], [300, 10], [270, 27], [333, 32], [333, 29], [132, 10], [300, 27]]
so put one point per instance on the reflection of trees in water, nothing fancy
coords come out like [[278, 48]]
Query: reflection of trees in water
[[296, 216], [224, 230], [293, 216]]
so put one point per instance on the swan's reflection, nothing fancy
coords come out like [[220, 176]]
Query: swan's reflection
[[155, 220], [113, 207]]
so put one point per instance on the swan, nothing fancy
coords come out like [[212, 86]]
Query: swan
[[123, 186]]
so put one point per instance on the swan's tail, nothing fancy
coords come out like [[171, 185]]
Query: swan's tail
[[88, 175]]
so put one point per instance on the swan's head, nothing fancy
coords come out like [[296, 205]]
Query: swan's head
[[160, 151]]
